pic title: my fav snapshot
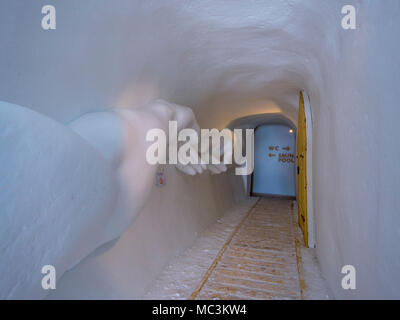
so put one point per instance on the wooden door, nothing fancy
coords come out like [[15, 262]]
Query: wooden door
[[302, 170]]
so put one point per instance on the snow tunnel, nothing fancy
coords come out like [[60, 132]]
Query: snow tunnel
[[78, 100]]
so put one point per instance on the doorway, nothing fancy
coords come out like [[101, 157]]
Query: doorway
[[304, 170], [274, 161]]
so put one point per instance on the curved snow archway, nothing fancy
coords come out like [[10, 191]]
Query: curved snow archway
[[252, 122]]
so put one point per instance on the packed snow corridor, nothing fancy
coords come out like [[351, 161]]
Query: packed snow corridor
[[87, 89]]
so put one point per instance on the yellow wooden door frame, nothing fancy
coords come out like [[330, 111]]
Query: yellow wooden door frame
[[302, 169]]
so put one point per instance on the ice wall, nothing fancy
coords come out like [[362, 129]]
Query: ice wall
[[227, 59], [48, 217], [74, 210]]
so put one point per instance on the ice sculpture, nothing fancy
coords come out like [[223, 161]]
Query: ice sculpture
[[68, 189]]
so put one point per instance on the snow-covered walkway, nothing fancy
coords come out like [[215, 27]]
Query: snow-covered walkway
[[250, 253]]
